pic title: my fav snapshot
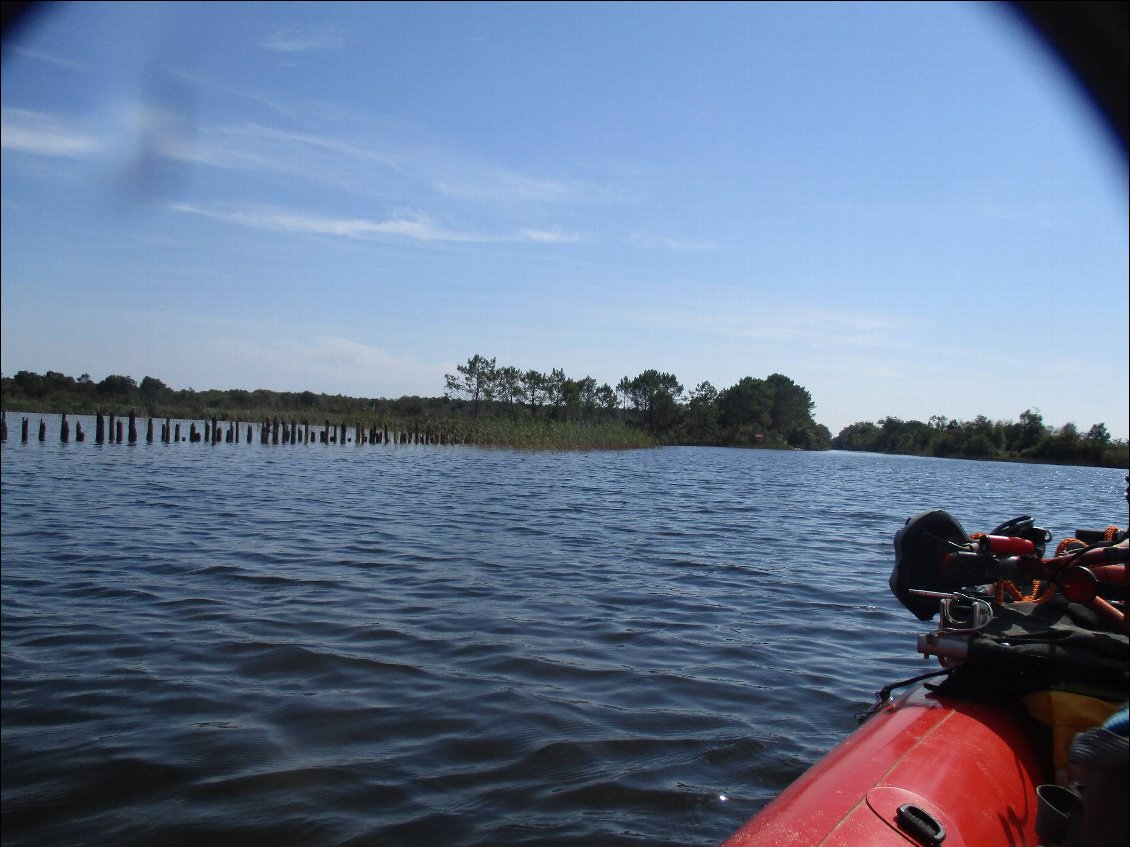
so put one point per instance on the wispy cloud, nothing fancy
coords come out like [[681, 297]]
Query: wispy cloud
[[555, 236], [425, 169], [415, 227], [43, 134], [365, 162], [486, 184], [418, 228], [58, 61], [200, 81], [299, 39]]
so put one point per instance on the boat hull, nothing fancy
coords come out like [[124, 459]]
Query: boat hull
[[971, 767]]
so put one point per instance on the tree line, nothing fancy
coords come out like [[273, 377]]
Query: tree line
[[1026, 439], [771, 412], [651, 407], [518, 406]]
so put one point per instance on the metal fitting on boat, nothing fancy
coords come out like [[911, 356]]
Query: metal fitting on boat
[[950, 648]]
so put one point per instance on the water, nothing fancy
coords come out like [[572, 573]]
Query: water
[[421, 645]]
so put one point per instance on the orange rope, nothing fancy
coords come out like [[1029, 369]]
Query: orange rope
[[1111, 531], [1067, 544], [1041, 592]]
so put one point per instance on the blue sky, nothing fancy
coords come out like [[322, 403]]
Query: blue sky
[[906, 208]]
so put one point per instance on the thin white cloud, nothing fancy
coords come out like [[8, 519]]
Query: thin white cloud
[[40, 56], [433, 170], [555, 236], [492, 185], [252, 96], [299, 39], [418, 228], [380, 168], [43, 134]]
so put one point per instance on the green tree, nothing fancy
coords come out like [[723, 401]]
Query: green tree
[[1098, 434], [1032, 430], [153, 391], [537, 386], [701, 420], [606, 400], [30, 383], [509, 387], [555, 391], [791, 405], [117, 386], [745, 410], [655, 397], [810, 437], [474, 382]]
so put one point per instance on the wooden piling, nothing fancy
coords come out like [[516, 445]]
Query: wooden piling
[[132, 427], [3, 426], [149, 431], [118, 431], [64, 430], [23, 431], [80, 436], [42, 430]]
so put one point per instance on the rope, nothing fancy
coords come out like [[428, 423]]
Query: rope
[[1041, 592]]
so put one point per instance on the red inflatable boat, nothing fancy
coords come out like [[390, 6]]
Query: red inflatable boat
[[958, 764], [925, 770]]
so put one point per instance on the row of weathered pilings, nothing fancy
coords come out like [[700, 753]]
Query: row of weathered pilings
[[116, 430]]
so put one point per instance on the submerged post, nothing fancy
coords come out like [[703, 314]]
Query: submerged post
[[132, 427], [99, 429], [64, 430]]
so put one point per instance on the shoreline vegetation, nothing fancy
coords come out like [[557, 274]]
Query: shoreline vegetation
[[503, 406]]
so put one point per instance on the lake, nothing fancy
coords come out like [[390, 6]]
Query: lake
[[409, 645]]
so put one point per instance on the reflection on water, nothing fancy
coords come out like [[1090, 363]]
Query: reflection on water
[[414, 645]]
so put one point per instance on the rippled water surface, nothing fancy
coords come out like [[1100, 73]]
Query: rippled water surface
[[382, 645]]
